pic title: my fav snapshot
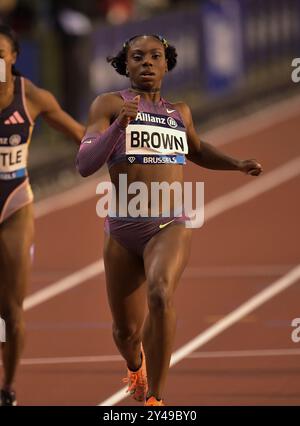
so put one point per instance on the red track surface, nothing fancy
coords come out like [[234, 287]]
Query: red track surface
[[263, 232]]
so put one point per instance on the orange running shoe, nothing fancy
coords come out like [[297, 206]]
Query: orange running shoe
[[137, 381], [152, 401]]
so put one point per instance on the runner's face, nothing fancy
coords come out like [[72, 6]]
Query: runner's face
[[6, 53], [146, 62]]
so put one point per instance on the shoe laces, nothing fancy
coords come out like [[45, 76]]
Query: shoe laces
[[134, 379]]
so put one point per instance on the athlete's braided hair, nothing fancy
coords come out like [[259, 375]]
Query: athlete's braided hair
[[119, 61], [8, 32]]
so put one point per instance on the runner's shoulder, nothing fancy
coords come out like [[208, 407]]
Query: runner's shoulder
[[109, 101], [182, 107], [184, 110], [32, 92]]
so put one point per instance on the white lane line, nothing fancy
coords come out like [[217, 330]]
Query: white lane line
[[251, 190], [64, 284], [195, 355], [215, 207], [231, 271], [245, 354], [253, 123], [72, 360], [250, 305], [85, 191], [220, 135]]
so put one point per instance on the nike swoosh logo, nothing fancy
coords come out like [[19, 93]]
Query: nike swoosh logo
[[169, 111], [89, 141], [163, 225]]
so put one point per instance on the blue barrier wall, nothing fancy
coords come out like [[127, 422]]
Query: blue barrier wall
[[220, 45]]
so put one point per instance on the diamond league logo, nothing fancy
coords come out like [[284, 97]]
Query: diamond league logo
[[131, 159]]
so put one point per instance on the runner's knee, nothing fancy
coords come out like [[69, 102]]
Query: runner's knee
[[126, 332], [160, 296]]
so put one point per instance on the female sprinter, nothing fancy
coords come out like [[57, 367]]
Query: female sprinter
[[145, 256], [20, 103]]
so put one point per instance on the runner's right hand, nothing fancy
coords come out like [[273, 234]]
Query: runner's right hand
[[129, 111]]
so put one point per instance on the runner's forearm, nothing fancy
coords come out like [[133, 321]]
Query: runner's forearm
[[211, 158], [96, 148]]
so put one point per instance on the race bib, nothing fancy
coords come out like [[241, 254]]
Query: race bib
[[13, 158], [151, 144]]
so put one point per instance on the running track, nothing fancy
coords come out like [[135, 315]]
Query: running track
[[248, 243]]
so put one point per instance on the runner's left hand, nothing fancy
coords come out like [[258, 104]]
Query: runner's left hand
[[250, 167]]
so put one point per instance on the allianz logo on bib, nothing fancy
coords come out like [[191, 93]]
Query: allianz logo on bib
[[13, 140], [158, 119], [172, 123]]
